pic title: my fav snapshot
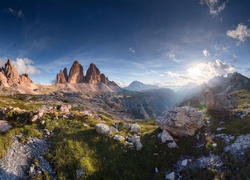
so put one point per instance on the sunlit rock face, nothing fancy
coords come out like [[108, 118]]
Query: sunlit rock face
[[76, 73], [220, 102], [11, 73], [181, 121], [93, 75]]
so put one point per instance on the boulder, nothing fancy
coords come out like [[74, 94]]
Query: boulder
[[119, 138], [4, 126], [102, 129], [136, 140], [220, 102], [165, 136], [135, 128], [113, 129], [181, 121], [170, 176]]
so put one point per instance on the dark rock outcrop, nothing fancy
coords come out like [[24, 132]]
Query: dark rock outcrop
[[75, 73], [104, 79]]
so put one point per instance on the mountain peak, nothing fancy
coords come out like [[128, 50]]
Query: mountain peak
[[139, 86]]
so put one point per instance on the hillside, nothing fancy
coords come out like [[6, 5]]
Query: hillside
[[56, 135]]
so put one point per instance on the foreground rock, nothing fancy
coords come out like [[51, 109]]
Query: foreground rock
[[220, 102], [4, 126], [102, 129], [19, 156], [181, 121]]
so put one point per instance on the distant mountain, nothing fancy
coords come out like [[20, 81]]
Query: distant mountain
[[217, 85], [76, 81], [139, 86]]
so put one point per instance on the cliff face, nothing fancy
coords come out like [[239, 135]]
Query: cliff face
[[93, 75], [9, 76], [76, 75]]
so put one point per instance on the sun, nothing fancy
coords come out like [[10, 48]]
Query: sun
[[195, 71]]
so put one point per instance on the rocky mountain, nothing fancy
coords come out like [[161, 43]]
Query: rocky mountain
[[93, 81], [10, 78], [139, 86], [222, 90], [75, 73]]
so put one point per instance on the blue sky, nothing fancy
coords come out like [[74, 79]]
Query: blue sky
[[163, 42]]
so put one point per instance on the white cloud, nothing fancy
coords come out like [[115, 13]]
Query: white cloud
[[161, 75], [206, 53], [24, 65], [132, 50], [203, 72], [17, 13], [215, 6], [241, 33]]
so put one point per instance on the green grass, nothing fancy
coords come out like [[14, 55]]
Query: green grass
[[75, 146]]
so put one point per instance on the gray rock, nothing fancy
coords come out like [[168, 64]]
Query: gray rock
[[119, 138], [135, 128], [113, 129], [181, 121], [184, 162], [102, 129], [165, 136], [170, 176]]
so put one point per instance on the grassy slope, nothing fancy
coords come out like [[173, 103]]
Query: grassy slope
[[75, 144]]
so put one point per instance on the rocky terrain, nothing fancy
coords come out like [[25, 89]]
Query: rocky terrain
[[105, 132]]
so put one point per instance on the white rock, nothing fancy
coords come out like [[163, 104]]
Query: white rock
[[34, 118], [119, 138], [156, 170], [214, 144], [165, 136], [172, 145], [138, 145], [135, 128], [102, 128], [170, 176], [184, 162]]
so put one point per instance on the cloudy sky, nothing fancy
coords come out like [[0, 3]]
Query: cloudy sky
[[163, 42]]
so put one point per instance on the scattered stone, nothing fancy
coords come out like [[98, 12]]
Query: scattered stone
[[65, 108], [102, 129], [219, 129], [184, 162], [214, 144], [170, 176], [172, 145], [79, 173], [113, 129], [156, 170], [42, 122], [119, 138], [4, 126], [136, 140], [240, 144], [34, 118], [135, 128], [165, 136], [181, 121]]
